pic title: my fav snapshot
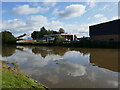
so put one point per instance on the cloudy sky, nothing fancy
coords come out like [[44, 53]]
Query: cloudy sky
[[74, 17]]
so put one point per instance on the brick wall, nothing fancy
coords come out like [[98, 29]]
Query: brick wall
[[106, 37]]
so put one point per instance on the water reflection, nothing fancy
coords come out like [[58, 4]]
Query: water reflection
[[104, 58], [49, 50], [41, 51], [8, 50], [64, 67]]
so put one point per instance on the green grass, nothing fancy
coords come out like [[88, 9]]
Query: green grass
[[12, 78]]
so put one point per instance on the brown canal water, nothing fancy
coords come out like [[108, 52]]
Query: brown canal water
[[63, 67]]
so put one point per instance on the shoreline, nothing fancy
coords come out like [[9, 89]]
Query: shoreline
[[13, 78], [80, 44]]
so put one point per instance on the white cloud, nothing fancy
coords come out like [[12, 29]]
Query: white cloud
[[16, 26], [71, 11], [116, 17], [73, 69], [91, 3], [49, 4], [89, 18], [34, 3], [104, 19], [105, 7], [26, 9], [38, 20], [33, 23], [101, 18], [98, 15], [46, 3], [14, 23]]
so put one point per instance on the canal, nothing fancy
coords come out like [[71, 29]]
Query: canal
[[63, 67]]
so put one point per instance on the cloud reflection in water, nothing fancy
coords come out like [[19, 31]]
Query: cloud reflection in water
[[70, 67]]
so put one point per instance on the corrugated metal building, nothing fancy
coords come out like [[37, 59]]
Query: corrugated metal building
[[109, 31]]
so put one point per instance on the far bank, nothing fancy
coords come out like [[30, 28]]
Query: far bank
[[78, 44]]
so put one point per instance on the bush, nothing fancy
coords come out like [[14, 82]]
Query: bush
[[7, 37], [59, 40]]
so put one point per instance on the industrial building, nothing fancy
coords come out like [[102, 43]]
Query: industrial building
[[109, 31]]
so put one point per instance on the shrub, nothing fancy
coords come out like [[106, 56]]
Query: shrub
[[59, 40], [7, 37]]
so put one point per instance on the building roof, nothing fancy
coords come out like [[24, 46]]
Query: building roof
[[66, 34], [58, 34]]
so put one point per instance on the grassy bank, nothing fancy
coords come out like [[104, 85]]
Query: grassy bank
[[12, 78]]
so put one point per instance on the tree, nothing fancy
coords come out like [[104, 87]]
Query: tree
[[42, 29], [40, 34], [55, 32], [75, 36], [49, 32], [61, 30], [34, 35], [59, 40], [7, 37]]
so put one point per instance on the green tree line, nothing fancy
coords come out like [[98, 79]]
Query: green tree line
[[40, 34], [7, 37]]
